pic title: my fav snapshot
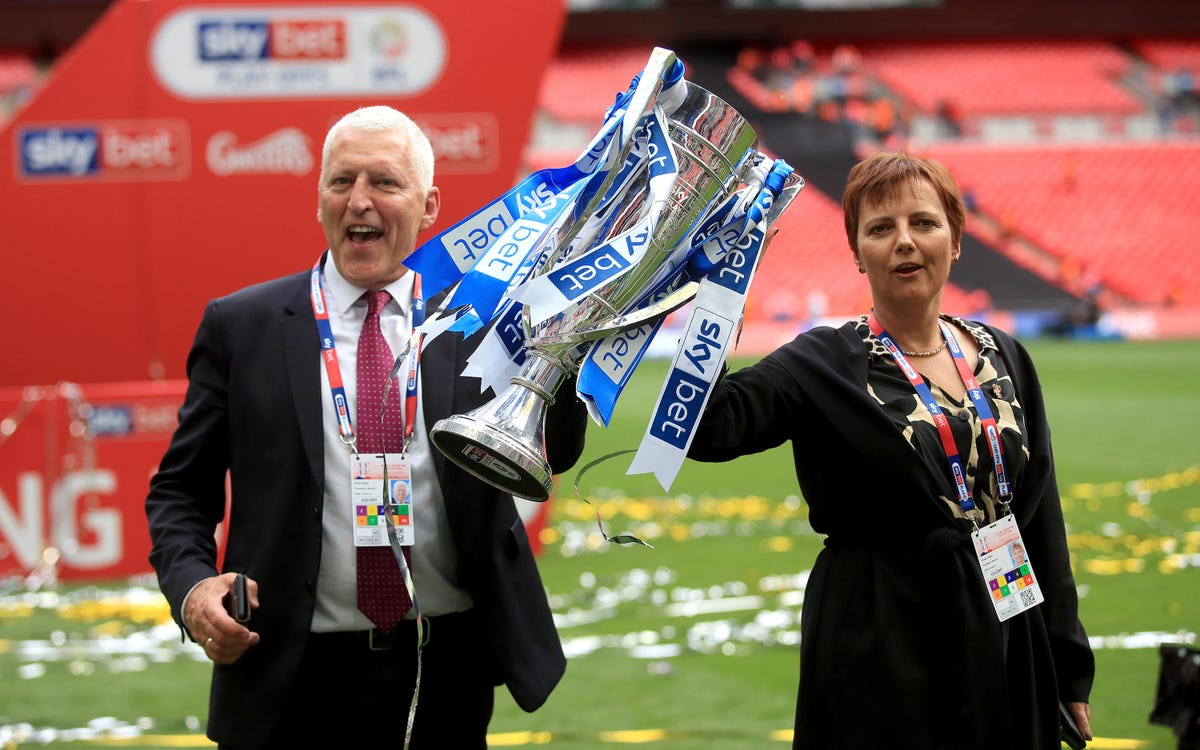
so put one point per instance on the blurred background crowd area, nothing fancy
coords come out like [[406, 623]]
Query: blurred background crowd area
[[1073, 129]]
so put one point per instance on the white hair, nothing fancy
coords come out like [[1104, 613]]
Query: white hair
[[384, 119]]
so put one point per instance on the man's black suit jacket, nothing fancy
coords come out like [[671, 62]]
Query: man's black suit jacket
[[253, 406]]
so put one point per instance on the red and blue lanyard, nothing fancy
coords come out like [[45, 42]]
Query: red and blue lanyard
[[990, 430], [329, 355]]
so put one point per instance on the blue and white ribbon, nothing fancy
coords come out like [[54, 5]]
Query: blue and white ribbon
[[609, 364], [445, 258], [741, 212], [495, 249], [501, 353], [565, 284], [512, 256], [705, 345], [502, 255]]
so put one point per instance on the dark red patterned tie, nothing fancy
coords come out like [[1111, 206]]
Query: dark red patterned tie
[[382, 595]]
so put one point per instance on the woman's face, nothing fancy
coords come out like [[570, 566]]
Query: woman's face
[[905, 246]]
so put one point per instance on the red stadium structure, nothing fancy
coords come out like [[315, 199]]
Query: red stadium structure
[[172, 156]]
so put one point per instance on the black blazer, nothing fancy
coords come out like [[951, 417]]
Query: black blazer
[[253, 407], [897, 626]]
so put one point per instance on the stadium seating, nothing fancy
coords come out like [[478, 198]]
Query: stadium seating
[[1110, 211], [1005, 78], [1124, 212], [17, 72], [1170, 54], [18, 78]]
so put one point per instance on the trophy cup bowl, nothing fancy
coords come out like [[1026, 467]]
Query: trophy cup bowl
[[503, 442]]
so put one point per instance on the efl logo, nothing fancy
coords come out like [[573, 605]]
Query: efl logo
[[113, 151], [255, 40]]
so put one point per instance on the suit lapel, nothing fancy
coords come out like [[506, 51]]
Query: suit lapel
[[439, 365], [302, 352]]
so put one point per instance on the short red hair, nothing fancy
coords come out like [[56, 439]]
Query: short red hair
[[881, 177]]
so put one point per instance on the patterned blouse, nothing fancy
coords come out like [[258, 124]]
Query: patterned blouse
[[888, 386]]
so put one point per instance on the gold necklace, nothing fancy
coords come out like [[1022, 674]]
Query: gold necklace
[[929, 353]]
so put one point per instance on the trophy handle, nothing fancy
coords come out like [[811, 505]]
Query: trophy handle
[[791, 188], [503, 442]]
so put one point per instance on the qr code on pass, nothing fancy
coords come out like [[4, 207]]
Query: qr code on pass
[[1027, 598]]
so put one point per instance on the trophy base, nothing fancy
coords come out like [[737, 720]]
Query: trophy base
[[494, 456]]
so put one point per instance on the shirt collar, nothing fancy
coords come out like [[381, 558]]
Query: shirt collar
[[341, 295], [983, 339]]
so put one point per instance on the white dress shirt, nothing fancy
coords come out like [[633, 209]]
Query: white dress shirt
[[434, 558]]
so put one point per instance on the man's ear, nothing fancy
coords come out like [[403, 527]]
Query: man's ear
[[433, 204]]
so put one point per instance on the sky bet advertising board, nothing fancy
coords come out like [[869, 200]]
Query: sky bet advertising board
[[172, 156]]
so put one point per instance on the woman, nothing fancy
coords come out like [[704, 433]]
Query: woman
[[903, 645]]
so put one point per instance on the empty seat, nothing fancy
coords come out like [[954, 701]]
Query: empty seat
[[1123, 211]]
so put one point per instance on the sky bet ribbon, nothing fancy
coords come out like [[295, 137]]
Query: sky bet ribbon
[[507, 259], [609, 365], [501, 352], [611, 361], [444, 259], [487, 288], [738, 215], [552, 292], [704, 347]]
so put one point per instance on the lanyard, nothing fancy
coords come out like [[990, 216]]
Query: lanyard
[[982, 408], [411, 356]]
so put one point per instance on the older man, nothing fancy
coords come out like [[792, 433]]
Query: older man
[[330, 652]]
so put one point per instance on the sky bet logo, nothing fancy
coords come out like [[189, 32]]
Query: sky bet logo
[[254, 40], [106, 151]]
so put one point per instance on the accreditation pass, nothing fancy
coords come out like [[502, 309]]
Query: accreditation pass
[[1006, 568], [366, 495]]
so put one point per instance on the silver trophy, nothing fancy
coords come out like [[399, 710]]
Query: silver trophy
[[503, 442]]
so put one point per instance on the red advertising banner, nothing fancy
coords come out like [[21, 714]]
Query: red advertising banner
[[173, 153], [172, 156], [75, 464]]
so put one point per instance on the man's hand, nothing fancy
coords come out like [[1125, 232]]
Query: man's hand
[[1083, 717], [774, 230], [223, 639]]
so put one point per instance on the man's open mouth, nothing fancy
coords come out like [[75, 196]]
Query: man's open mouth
[[362, 233]]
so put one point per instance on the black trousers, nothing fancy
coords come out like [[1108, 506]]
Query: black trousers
[[351, 693]]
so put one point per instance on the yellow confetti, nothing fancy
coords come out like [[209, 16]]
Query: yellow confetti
[[779, 544]]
